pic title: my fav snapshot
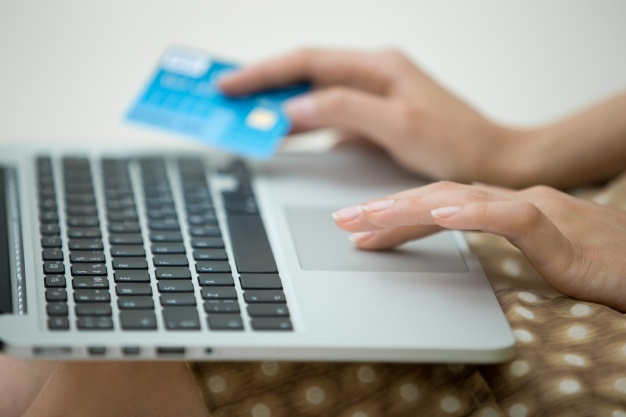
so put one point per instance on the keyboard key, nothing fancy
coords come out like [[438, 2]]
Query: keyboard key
[[124, 227], [215, 280], [168, 248], [225, 322], [166, 236], [207, 242], [92, 296], [58, 323], [271, 323], [51, 242], [181, 318], [57, 309], [130, 263], [48, 229], [85, 244], [166, 285], [127, 250], [251, 248], [125, 239], [54, 281], [83, 232], [132, 275], [90, 282], [220, 293], [212, 266], [93, 309], [56, 294], [135, 302], [83, 221], [221, 306], [138, 320], [178, 299], [53, 267], [208, 230], [94, 323], [133, 289], [165, 224], [170, 260], [87, 256], [260, 281], [173, 272], [52, 254], [210, 255], [268, 310], [264, 296], [89, 269]]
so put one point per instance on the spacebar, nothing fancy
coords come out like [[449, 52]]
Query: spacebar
[[250, 245]]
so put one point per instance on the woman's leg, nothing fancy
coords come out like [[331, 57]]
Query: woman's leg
[[135, 389], [20, 382]]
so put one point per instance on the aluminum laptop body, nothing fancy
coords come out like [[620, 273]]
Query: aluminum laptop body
[[113, 252]]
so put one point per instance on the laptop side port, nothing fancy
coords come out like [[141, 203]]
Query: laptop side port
[[171, 351], [52, 351], [97, 350]]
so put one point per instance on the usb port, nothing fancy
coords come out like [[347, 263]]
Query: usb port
[[167, 351]]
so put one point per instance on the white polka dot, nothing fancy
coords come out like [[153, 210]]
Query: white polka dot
[[270, 368], [488, 412], [523, 335], [580, 310], [450, 404], [518, 410], [569, 386], [618, 413], [216, 384], [409, 392], [620, 385], [577, 332], [511, 267], [315, 395], [261, 410], [519, 368], [574, 360], [524, 312], [529, 297], [366, 374], [359, 414]]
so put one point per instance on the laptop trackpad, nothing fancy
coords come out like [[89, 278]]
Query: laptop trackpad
[[322, 246]]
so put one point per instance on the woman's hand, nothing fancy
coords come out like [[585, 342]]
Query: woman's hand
[[385, 98], [578, 247]]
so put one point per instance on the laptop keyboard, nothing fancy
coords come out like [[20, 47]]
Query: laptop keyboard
[[141, 262]]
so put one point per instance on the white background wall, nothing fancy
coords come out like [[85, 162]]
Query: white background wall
[[70, 68]]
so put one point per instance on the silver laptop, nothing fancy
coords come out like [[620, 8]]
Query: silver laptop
[[120, 253]]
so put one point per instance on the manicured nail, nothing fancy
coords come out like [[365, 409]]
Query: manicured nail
[[378, 206], [347, 214], [299, 108], [445, 212], [361, 236]]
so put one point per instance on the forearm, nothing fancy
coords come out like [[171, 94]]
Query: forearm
[[584, 148]]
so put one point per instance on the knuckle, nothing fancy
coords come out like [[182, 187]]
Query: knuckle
[[394, 58], [337, 98], [529, 213], [540, 190]]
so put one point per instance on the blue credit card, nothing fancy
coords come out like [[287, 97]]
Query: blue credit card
[[182, 97]]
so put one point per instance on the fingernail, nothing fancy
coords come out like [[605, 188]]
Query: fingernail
[[445, 212], [360, 237], [347, 214], [301, 107], [378, 206]]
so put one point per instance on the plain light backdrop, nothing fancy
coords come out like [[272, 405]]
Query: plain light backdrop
[[69, 69]]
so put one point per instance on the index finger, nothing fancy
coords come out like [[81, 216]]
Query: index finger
[[322, 67]]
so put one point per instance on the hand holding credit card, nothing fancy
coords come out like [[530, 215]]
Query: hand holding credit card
[[182, 97]]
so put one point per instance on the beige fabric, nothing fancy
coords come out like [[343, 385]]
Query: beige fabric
[[570, 360]]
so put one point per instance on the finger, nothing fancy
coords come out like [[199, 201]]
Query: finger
[[410, 207], [322, 67], [521, 222], [349, 109], [391, 238]]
